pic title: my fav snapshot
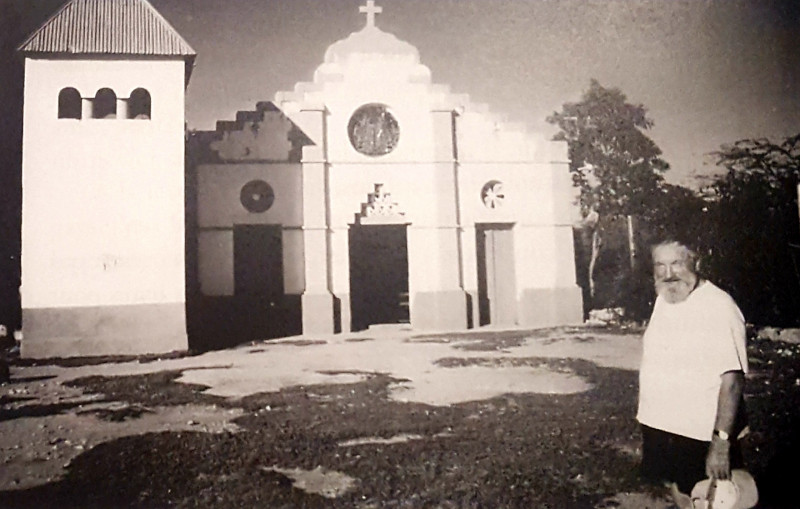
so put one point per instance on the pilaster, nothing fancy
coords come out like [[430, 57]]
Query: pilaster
[[86, 108], [122, 108], [317, 300]]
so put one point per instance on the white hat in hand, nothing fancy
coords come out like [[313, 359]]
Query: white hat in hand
[[739, 492]]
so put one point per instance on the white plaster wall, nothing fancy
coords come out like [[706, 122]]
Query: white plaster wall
[[541, 254], [314, 195], [433, 261], [426, 194], [103, 199], [528, 189], [469, 260], [408, 104], [219, 209], [424, 191], [539, 202], [215, 262], [392, 82], [340, 261], [483, 136], [567, 209], [219, 187], [293, 256]]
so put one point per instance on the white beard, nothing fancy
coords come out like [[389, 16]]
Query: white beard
[[675, 291]]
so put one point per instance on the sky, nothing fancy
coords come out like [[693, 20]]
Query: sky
[[709, 72]]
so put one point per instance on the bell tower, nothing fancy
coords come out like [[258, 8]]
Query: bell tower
[[103, 182]]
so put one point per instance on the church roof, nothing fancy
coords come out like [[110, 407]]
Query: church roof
[[107, 27]]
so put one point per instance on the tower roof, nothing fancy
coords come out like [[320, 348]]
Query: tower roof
[[107, 27]]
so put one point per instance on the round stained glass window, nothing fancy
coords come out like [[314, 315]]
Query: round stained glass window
[[257, 196], [373, 130]]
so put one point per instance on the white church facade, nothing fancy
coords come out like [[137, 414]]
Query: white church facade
[[369, 195]]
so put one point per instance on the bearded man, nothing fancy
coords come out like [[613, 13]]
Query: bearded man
[[692, 375]]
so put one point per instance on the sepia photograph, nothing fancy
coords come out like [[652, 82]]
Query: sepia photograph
[[368, 254]]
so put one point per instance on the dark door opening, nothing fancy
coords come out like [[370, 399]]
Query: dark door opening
[[497, 301], [258, 262], [258, 308], [378, 275]]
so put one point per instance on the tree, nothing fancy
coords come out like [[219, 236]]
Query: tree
[[616, 166], [754, 229], [677, 211]]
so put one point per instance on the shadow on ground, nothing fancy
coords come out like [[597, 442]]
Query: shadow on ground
[[520, 451], [557, 451]]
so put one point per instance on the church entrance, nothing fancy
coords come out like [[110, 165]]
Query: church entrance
[[258, 261], [258, 281], [258, 309], [497, 300], [378, 275]]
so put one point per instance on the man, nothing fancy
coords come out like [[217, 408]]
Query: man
[[692, 374]]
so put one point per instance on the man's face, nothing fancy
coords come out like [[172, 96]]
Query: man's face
[[674, 272]]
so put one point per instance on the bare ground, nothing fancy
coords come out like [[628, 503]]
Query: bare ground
[[146, 440]]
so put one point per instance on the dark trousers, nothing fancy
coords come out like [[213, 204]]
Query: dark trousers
[[678, 459]]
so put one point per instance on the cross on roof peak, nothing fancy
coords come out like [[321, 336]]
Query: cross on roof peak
[[370, 10]]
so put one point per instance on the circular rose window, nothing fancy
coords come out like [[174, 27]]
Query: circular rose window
[[373, 130], [492, 194], [257, 196]]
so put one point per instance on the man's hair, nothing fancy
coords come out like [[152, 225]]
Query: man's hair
[[663, 241], [674, 235], [689, 242]]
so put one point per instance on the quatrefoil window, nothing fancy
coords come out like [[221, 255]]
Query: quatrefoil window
[[492, 194]]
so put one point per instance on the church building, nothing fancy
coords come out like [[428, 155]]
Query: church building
[[369, 195]]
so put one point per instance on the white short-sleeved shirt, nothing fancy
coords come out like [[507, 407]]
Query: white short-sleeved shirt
[[687, 347]]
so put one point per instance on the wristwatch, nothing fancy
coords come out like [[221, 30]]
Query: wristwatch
[[722, 434]]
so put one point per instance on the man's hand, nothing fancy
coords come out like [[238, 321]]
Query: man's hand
[[718, 461]]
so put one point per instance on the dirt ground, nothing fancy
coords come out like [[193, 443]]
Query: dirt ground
[[384, 418]]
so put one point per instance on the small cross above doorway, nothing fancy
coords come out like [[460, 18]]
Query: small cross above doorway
[[370, 10]]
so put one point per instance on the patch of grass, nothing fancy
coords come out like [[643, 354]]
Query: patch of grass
[[152, 389], [513, 451], [483, 340], [43, 410], [304, 342], [772, 397], [552, 364], [119, 414], [358, 340], [558, 451]]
